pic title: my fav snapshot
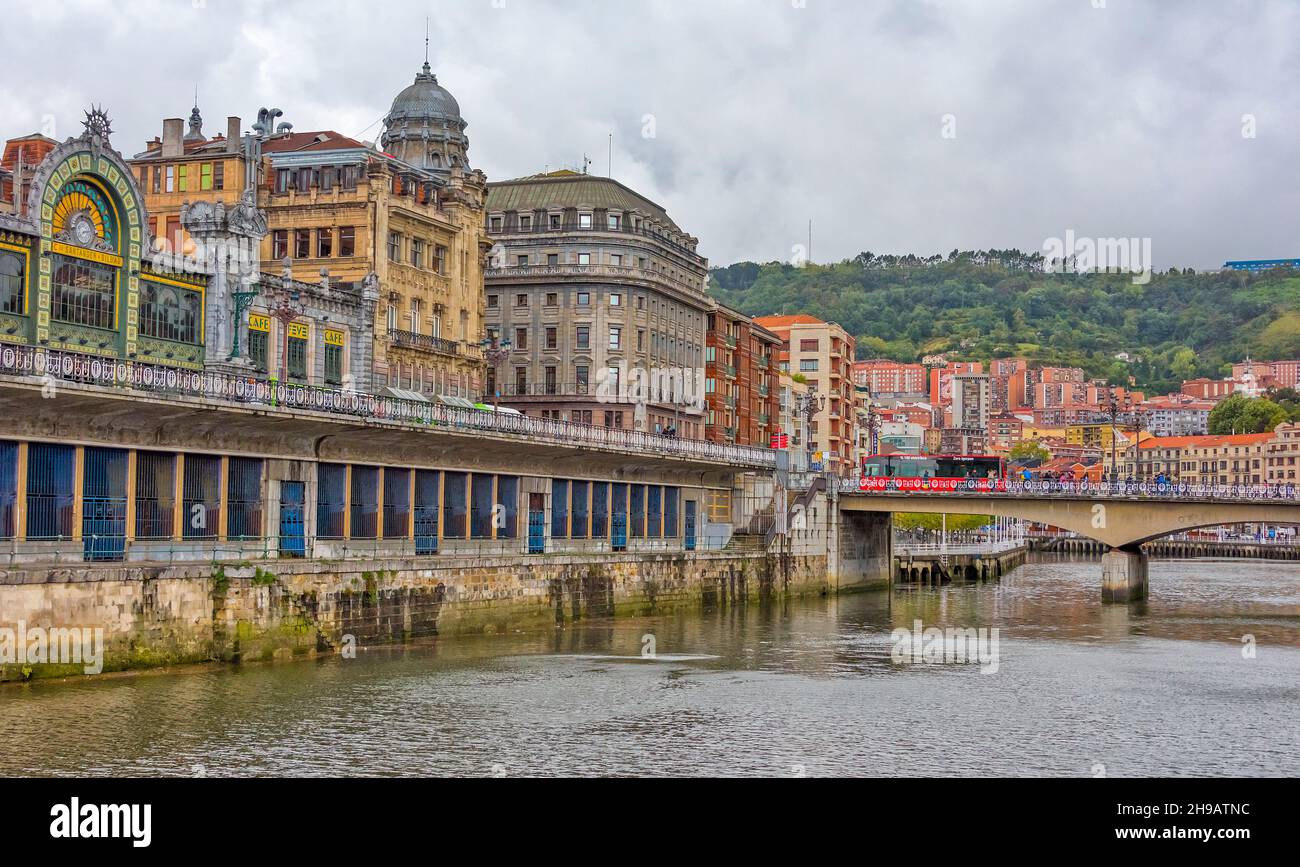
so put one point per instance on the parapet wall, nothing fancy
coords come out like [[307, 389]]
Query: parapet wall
[[155, 616]]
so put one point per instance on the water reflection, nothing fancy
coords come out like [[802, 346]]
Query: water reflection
[[788, 688]]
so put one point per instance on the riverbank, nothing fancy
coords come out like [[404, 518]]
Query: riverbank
[[179, 614]]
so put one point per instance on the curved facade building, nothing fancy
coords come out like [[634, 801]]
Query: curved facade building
[[600, 296]]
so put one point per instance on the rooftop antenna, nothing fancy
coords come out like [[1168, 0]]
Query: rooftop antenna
[[586, 161], [611, 156], [426, 40]]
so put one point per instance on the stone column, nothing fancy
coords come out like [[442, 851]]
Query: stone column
[[1124, 576]]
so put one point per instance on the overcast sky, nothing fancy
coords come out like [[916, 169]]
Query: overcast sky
[[895, 125]]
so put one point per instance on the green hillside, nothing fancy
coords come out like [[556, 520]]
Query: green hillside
[[982, 305]]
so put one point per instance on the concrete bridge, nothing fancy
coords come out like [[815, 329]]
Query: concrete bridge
[[1120, 522]]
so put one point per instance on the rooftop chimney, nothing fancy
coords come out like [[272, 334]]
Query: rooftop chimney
[[232, 134], [173, 143]]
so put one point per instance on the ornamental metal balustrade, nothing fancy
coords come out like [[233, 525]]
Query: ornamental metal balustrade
[[571, 228], [631, 273], [415, 340], [983, 488], [121, 374]]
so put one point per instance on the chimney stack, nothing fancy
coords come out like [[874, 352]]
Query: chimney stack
[[173, 143], [233, 133]]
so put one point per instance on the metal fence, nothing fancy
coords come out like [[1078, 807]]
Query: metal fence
[[1124, 490], [28, 361]]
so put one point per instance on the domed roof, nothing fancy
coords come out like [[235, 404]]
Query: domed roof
[[425, 99]]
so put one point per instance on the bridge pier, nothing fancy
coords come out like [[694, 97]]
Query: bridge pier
[[1124, 576]]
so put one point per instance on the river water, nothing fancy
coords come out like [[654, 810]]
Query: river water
[[804, 688]]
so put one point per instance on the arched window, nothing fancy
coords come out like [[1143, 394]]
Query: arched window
[[170, 313], [12, 282]]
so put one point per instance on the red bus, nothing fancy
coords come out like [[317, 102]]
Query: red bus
[[934, 473]]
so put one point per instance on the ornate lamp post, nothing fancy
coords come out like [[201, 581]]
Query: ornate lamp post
[[807, 406], [285, 308], [242, 301], [494, 353]]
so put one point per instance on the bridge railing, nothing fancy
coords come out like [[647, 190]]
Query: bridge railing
[[1117, 490]]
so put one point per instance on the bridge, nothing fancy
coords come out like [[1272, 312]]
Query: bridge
[[1122, 517]]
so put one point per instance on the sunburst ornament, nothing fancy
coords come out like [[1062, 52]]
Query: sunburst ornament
[[97, 123]]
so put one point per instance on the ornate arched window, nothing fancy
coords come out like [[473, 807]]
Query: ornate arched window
[[12, 282], [170, 312]]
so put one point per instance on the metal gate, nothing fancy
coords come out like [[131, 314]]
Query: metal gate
[[293, 496], [618, 519], [425, 512], [690, 525], [536, 524], [103, 516]]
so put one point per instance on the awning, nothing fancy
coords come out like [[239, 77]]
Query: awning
[[405, 394], [458, 402]]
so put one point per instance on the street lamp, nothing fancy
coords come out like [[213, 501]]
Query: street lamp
[[1114, 415], [807, 405], [494, 353]]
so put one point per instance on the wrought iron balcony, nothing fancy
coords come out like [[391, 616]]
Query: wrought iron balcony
[[426, 342]]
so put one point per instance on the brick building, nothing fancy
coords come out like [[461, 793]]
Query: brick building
[[740, 359]]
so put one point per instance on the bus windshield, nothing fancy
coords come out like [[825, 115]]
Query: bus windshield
[[936, 467]]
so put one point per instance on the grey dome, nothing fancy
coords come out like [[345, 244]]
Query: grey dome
[[426, 100]]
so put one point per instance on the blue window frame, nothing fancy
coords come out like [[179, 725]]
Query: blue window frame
[[365, 503], [508, 506], [244, 499], [455, 504], [559, 509], [331, 500], [155, 495], [636, 524], [654, 512], [8, 489], [49, 491], [397, 503], [202, 497], [599, 510], [581, 509]]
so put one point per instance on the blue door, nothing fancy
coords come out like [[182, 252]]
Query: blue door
[[426, 512], [103, 519], [293, 496], [618, 518], [536, 524], [690, 525]]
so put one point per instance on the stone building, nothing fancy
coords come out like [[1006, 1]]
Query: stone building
[[739, 376], [404, 224], [596, 298]]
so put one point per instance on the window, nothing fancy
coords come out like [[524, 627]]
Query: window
[[615, 337], [521, 300], [614, 221], [304, 180], [205, 176], [417, 252], [494, 224], [13, 282], [50, 491], [392, 317], [552, 338], [331, 500], [324, 243], [507, 500], [394, 247], [583, 375], [584, 221], [397, 503], [615, 300], [170, 312], [439, 263], [155, 495], [584, 337], [171, 179], [347, 241], [494, 301], [808, 365], [525, 223], [279, 244], [559, 509], [584, 258], [283, 179], [244, 499], [552, 299], [636, 520], [296, 351], [157, 179], [364, 502], [350, 176], [415, 315], [552, 259], [84, 293], [257, 341], [328, 178], [555, 221], [640, 340], [302, 243], [581, 510], [333, 363], [201, 500], [454, 505], [552, 383], [522, 261], [599, 509], [481, 503], [521, 338], [584, 299], [521, 380], [616, 260], [809, 345]]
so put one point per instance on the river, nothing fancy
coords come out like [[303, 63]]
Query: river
[[799, 688]]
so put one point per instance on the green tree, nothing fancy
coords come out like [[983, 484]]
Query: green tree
[[1029, 450], [1241, 414]]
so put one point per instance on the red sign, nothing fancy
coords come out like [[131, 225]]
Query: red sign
[[780, 441]]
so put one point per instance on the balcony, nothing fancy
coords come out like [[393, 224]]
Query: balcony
[[550, 273], [426, 343], [730, 340], [730, 371], [571, 228], [730, 402], [764, 418], [763, 391], [729, 433], [764, 362], [547, 389]]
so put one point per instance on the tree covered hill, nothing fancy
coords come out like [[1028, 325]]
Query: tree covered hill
[[1001, 303]]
